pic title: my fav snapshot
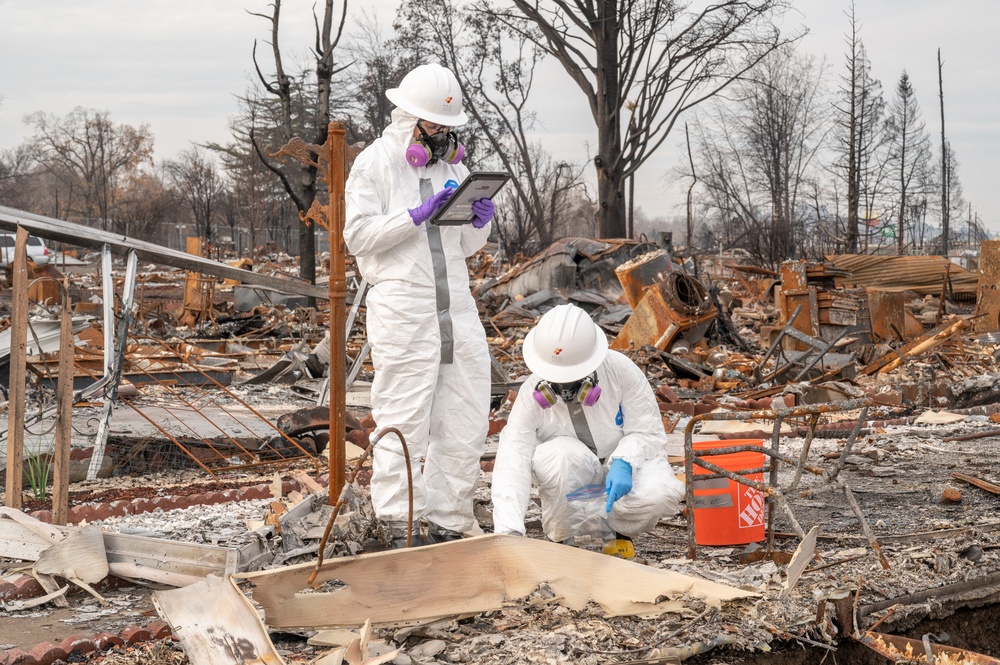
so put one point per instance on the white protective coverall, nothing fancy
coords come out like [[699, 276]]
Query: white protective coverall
[[439, 403], [542, 444]]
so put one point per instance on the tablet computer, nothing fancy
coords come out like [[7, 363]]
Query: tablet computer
[[479, 185]]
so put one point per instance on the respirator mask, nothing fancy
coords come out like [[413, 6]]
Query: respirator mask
[[429, 148], [585, 391]]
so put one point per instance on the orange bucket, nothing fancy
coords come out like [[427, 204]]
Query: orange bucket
[[726, 512]]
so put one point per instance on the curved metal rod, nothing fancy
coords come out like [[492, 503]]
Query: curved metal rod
[[343, 492]]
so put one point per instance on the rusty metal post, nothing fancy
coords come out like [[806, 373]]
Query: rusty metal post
[[64, 413], [18, 372], [330, 162], [336, 181]]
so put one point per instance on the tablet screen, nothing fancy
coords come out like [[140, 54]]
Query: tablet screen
[[458, 209]]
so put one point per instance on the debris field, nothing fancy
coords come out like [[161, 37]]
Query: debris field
[[195, 494]]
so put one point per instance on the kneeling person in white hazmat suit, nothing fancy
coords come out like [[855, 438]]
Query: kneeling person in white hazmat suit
[[432, 363], [585, 415]]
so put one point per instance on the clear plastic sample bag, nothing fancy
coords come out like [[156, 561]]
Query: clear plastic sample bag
[[587, 522]]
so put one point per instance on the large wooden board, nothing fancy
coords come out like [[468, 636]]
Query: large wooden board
[[470, 576], [216, 624]]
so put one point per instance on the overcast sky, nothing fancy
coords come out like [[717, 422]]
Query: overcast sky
[[178, 65]]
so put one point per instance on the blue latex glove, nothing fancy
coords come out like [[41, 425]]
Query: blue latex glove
[[426, 210], [619, 481], [484, 209]]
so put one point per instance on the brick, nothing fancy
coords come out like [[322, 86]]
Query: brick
[[134, 634], [77, 644], [368, 422], [890, 398], [116, 508], [666, 393], [686, 408], [487, 465], [252, 492], [783, 401], [212, 498], [104, 641], [496, 425], [17, 657], [358, 437], [364, 477], [77, 514], [159, 630], [47, 653], [43, 515], [139, 506]]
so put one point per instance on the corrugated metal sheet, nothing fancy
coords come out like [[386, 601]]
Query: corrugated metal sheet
[[923, 274]]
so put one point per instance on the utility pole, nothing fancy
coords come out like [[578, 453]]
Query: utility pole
[[944, 166]]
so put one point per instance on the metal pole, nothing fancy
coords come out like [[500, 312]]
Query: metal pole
[[331, 163], [336, 181], [64, 412]]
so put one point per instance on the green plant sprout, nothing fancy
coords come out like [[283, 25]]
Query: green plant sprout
[[37, 469]]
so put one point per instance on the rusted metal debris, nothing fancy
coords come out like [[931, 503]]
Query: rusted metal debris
[[921, 274], [672, 314], [988, 295], [906, 650], [978, 482], [640, 272]]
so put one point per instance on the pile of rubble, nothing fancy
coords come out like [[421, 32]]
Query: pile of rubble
[[875, 401]]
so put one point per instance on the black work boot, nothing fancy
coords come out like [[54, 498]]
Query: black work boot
[[399, 542], [438, 534], [397, 535]]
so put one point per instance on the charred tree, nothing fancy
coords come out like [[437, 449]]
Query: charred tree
[[650, 59], [299, 180]]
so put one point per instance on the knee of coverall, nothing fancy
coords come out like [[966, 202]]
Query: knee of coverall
[[564, 462], [656, 493]]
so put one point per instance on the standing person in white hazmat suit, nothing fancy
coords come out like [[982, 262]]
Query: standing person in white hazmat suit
[[432, 363], [585, 415]]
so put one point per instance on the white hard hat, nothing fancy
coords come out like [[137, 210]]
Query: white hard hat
[[565, 346], [432, 93]]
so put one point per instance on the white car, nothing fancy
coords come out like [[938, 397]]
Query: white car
[[37, 251]]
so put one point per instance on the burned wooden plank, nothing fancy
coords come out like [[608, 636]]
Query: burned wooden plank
[[216, 624], [936, 337], [887, 314], [24, 537], [470, 575], [17, 391], [804, 553]]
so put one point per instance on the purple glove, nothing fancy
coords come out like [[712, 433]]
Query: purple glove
[[484, 209], [426, 210]]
